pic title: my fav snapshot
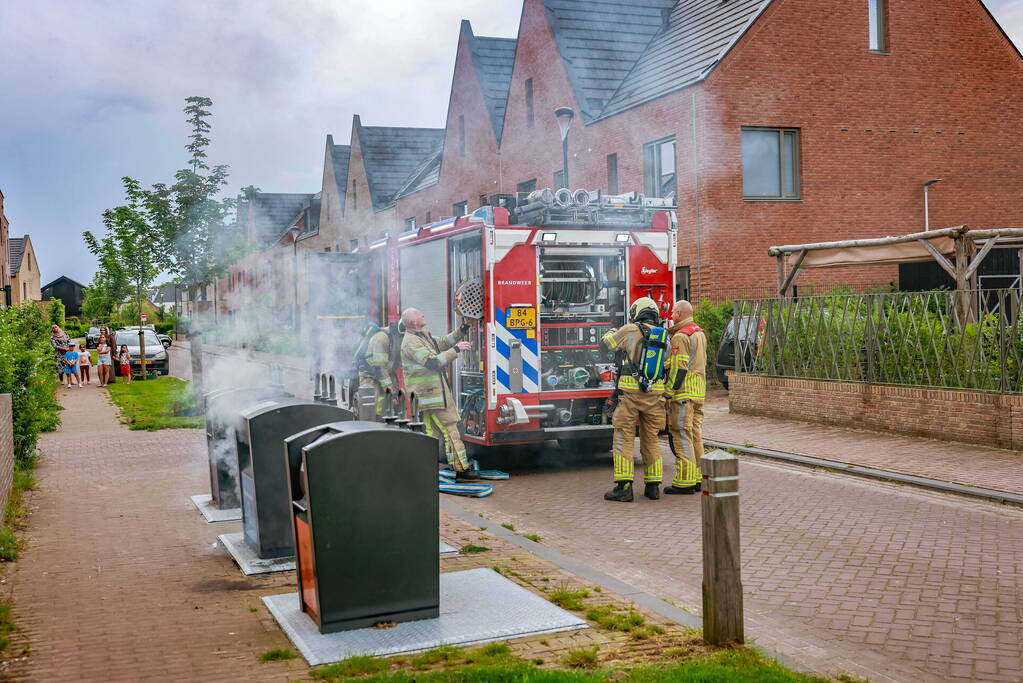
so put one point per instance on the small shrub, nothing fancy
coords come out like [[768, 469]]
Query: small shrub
[[582, 658], [277, 655], [535, 538], [469, 548]]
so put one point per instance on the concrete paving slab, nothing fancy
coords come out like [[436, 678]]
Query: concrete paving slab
[[211, 513], [248, 561], [476, 606]]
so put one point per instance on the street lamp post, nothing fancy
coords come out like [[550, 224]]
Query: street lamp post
[[294, 232], [927, 216], [564, 116]]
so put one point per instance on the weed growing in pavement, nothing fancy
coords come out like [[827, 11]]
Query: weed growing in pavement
[[494, 653], [535, 538], [277, 655], [563, 596], [353, 666], [6, 626], [614, 620], [748, 444], [508, 525], [582, 658], [253, 609], [469, 548], [646, 632], [445, 653]]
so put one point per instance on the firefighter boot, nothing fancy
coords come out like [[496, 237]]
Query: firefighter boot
[[653, 491], [682, 490], [622, 492]]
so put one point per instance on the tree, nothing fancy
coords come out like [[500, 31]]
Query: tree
[[130, 253], [190, 219], [57, 312]]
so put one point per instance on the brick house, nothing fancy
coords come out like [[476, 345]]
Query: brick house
[[773, 122], [25, 282], [5, 269]]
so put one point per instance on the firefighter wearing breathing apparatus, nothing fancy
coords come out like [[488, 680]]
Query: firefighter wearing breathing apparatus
[[686, 391], [373, 358], [424, 360], [643, 344]]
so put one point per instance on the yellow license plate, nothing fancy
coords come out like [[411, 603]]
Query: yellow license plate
[[521, 317], [148, 362], [729, 372]]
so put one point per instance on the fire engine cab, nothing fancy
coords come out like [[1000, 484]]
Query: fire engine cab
[[541, 276]]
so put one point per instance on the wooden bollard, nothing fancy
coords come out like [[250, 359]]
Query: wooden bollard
[[722, 580]]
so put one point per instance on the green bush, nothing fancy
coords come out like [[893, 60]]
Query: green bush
[[56, 312], [713, 318], [165, 327], [27, 372]]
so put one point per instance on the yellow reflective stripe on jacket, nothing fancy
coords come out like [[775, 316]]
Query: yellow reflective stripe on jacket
[[609, 340], [694, 388], [628, 382], [676, 362]]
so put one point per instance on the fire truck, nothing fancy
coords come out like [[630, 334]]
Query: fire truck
[[542, 276]]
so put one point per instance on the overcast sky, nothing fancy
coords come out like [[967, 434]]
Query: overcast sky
[[92, 90]]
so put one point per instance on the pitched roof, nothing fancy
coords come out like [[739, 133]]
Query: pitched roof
[[600, 41], [699, 33], [340, 155], [493, 60], [272, 212], [65, 278], [390, 155], [423, 177], [15, 249]]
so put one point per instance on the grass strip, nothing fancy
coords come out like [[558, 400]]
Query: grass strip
[[157, 403]]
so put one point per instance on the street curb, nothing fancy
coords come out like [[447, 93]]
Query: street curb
[[873, 473], [584, 571]]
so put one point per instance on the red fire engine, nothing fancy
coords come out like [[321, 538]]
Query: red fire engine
[[543, 276]]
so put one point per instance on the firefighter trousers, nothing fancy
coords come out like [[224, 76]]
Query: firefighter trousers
[[443, 424], [367, 380], [685, 436], [648, 408]]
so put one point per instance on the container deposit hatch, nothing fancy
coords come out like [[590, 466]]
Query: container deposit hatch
[[260, 432]]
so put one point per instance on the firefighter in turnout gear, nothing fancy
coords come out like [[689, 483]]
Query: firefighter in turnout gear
[[640, 398], [686, 389], [375, 367], [424, 360]]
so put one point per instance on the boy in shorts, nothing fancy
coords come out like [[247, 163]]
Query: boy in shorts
[[71, 367]]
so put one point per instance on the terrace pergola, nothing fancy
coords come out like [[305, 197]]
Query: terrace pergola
[[958, 250]]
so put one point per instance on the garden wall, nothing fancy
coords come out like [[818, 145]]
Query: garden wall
[[979, 418], [6, 448]]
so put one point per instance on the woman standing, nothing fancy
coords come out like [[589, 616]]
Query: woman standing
[[61, 345], [104, 367], [109, 334]]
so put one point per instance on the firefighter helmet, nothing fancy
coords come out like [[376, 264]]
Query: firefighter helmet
[[643, 307]]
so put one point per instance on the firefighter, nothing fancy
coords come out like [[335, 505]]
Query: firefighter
[[638, 399], [686, 390], [423, 360], [375, 367]]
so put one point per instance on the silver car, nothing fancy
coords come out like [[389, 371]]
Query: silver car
[[156, 355]]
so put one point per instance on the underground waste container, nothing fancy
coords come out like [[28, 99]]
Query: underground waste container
[[366, 521], [221, 409], [260, 431]]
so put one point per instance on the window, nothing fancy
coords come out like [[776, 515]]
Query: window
[[410, 223], [770, 163], [559, 180], [526, 187], [429, 219], [529, 103], [612, 174], [484, 200], [877, 22], [460, 209], [353, 245], [326, 249], [682, 283], [660, 167], [461, 135], [355, 195]]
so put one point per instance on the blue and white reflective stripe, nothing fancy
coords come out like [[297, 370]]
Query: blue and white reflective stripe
[[530, 356]]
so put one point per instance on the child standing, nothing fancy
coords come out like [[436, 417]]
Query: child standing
[[71, 367], [104, 364], [124, 358], [84, 363]]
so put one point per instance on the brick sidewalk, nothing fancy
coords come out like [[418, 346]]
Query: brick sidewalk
[[121, 580], [991, 468]]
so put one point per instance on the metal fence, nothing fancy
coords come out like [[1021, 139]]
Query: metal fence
[[906, 338]]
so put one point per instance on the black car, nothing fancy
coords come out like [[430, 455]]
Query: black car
[[724, 361], [92, 338]]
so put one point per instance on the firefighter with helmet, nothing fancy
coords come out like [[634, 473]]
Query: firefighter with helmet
[[423, 361], [640, 398], [375, 366]]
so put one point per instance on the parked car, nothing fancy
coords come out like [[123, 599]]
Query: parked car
[[157, 357], [724, 361], [164, 339], [92, 338]]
